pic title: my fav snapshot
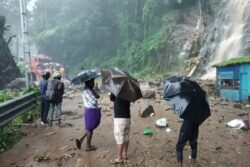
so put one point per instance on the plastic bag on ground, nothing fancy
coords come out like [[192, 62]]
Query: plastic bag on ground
[[148, 132], [238, 124], [161, 122]]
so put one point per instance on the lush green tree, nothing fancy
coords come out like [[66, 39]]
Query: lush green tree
[[131, 34]]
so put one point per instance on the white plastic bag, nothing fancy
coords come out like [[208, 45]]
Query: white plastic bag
[[161, 122], [236, 123]]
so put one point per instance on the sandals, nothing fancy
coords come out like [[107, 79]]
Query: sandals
[[116, 161], [91, 148], [124, 157], [78, 144]]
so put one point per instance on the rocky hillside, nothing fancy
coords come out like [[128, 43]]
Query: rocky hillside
[[8, 68], [223, 34]]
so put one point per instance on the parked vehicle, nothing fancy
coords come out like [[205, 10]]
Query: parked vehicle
[[41, 62]]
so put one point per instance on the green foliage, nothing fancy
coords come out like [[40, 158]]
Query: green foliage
[[27, 116], [28, 90], [234, 61], [8, 136], [6, 95], [130, 34], [22, 68]]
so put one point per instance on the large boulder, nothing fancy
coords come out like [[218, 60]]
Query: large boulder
[[148, 91], [18, 83], [146, 110], [8, 68]]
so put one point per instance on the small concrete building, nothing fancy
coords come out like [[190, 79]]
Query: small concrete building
[[233, 79]]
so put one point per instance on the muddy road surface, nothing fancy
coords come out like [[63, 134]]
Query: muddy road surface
[[219, 145]]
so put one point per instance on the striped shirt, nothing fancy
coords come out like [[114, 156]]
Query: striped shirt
[[89, 99]]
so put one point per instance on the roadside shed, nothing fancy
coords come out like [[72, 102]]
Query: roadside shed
[[233, 78]]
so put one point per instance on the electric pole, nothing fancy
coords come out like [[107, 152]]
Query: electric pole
[[25, 42]]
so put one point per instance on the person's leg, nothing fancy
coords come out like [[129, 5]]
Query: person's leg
[[120, 148], [119, 127], [59, 112], [79, 141], [45, 115], [125, 150], [183, 138], [83, 137], [89, 147], [42, 110], [193, 143], [118, 157], [89, 138], [52, 109], [126, 140]]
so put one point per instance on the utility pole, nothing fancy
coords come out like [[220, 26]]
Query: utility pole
[[25, 42], [17, 49]]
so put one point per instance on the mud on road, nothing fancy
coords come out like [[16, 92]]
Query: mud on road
[[219, 146]]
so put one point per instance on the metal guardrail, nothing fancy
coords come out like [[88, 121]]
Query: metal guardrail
[[12, 108]]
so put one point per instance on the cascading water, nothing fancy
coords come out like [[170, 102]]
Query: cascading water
[[199, 27], [232, 32]]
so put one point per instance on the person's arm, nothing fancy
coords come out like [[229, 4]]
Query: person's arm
[[96, 94], [62, 88], [112, 97]]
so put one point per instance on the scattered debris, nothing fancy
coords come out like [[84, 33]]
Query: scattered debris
[[221, 119], [243, 113], [79, 162], [154, 83], [65, 157], [62, 148], [69, 113], [65, 125], [168, 130], [147, 92], [41, 158], [146, 110], [218, 148], [152, 114], [148, 132], [237, 106], [247, 106], [239, 124], [50, 133], [161, 122], [108, 114]]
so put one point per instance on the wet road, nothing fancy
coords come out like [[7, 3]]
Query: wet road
[[44, 146]]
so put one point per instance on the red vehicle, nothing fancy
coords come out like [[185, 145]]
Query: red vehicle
[[41, 62]]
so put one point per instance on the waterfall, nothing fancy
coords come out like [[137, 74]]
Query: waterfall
[[198, 28], [200, 21], [230, 46], [232, 32]]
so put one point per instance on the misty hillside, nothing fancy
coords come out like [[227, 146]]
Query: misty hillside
[[144, 37]]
